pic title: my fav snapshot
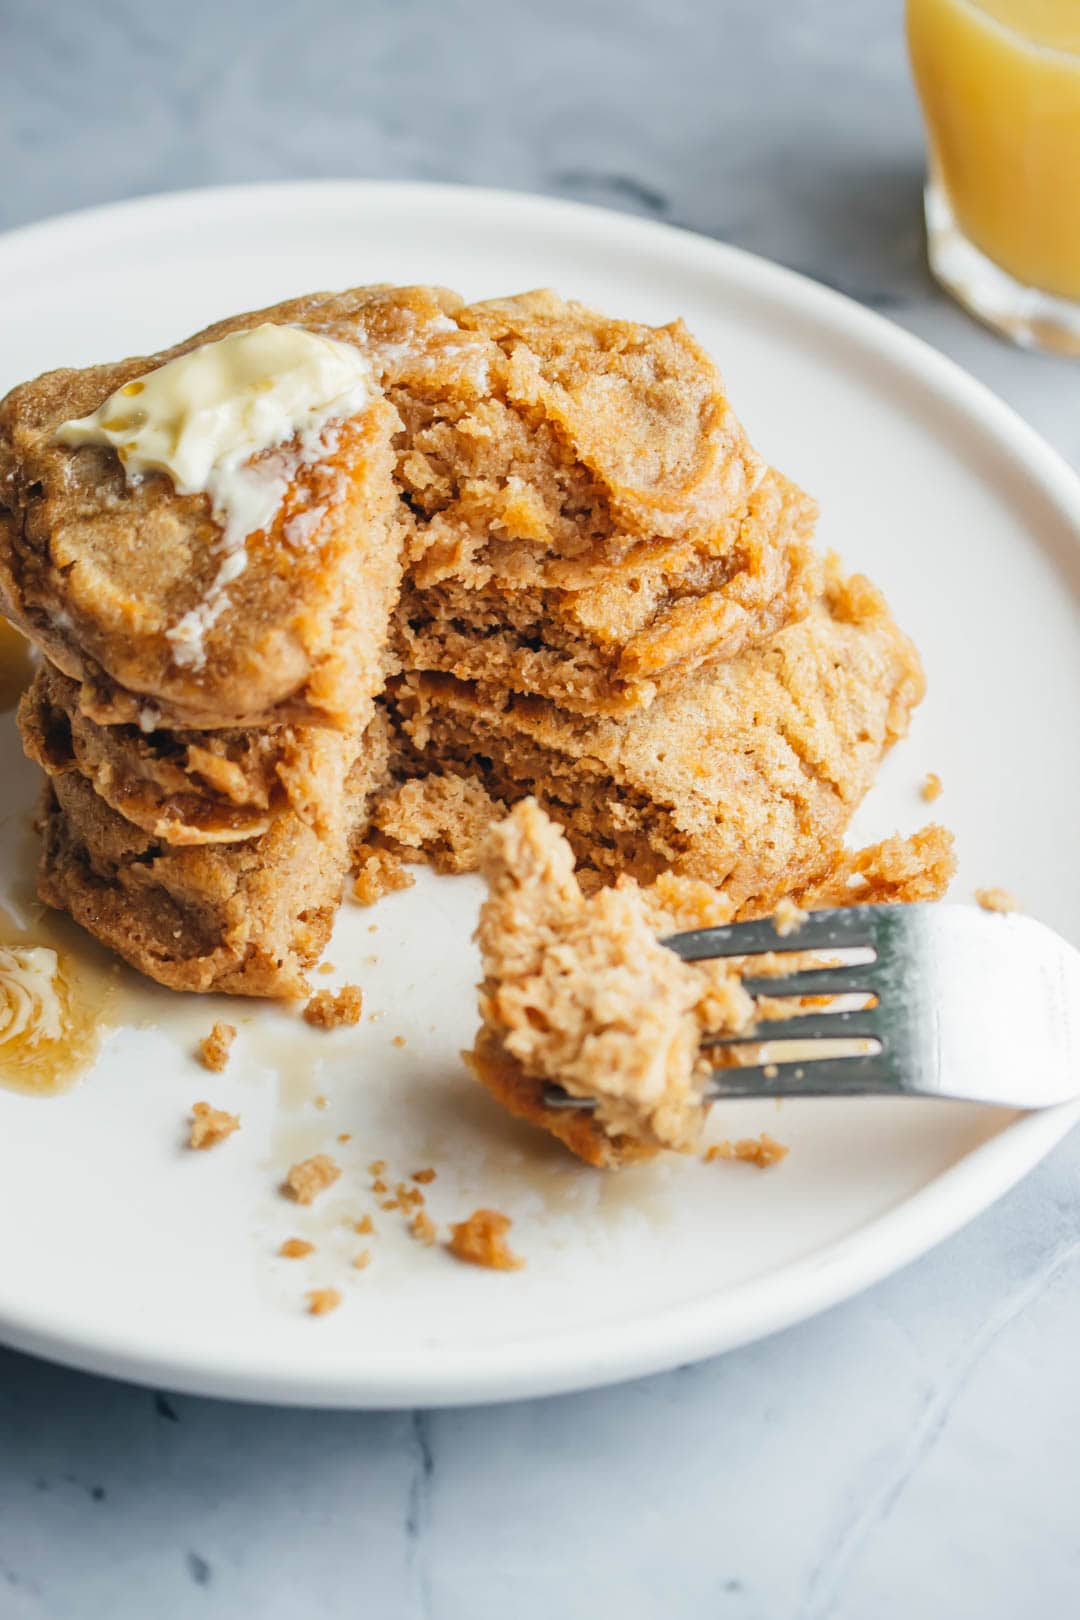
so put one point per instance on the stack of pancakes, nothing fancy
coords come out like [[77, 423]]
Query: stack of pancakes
[[543, 561], [200, 815]]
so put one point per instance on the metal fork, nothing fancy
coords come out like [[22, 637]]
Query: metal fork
[[976, 1006]]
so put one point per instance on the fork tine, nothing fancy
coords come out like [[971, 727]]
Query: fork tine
[[842, 927], [826, 1077], [809, 1077], [858, 1024], [863, 978], [977, 1008], [556, 1097]]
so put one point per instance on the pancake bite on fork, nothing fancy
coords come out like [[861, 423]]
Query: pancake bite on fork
[[745, 775], [580, 994]]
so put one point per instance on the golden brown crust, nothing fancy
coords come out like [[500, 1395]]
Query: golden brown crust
[[523, 1095]]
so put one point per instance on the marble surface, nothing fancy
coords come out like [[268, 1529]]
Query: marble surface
[[912, 1453]]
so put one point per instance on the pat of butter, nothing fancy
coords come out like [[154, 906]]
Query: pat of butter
[[219, 405], [202, 419]]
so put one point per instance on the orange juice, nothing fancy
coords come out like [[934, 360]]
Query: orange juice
[[999, 82]]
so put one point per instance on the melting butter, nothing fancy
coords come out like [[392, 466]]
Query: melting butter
[[48, 1032], [200, 416], [30, 1007], [203, 419]]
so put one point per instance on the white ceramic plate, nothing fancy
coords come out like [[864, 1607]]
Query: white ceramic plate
[[125, 1254]]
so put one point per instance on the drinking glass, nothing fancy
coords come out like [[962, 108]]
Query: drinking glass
[[999, 82]]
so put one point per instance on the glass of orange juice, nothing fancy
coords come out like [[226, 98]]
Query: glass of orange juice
[[999, 82]]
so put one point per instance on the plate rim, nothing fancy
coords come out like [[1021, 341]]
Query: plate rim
[[599, 1355], [584, 1359]]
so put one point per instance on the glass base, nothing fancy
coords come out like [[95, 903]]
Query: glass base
[[1034, 319]]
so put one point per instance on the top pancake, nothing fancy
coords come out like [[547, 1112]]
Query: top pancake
[[97, 571], [521, 443]]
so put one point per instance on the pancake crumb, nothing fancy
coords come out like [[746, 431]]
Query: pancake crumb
[[761, 1150], [919, 867], [296, 1248], [931, 787], [788, 918], [997, 900], [422, 1227], [380, 872], [209, 1126], [214, 1048], [307, 1179], [399, 1040], [481, 1241], [440, 819], [379, 1186], [326, 967], [364, 1224], [345, 1136], [424, 1177], [362, 1260], [328, 1009], [376, 1167], [321, 1301]]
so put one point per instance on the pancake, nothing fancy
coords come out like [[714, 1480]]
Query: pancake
[[184, 786], [101, 574], [636, 629], [576, 492], [245, 918], [746, 775]]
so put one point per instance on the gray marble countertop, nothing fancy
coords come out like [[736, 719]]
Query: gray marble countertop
[[913, 1453]]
